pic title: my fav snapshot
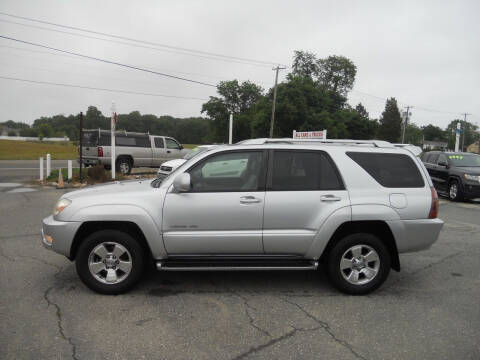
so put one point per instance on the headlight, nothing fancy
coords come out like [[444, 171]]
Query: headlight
[[472, 177], [60, 205]]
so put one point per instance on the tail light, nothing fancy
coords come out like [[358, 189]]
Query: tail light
[[434, 207], [100, 151]]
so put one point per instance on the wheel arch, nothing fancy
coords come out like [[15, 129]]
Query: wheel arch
[[89, 227], [376, 227], [127, 156]]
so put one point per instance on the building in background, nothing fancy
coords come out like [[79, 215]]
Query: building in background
[[435, 145], [474, 148]]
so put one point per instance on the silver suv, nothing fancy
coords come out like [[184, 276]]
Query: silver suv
[[272, 204]]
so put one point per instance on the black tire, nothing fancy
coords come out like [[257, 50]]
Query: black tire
[[458, 194], [336, 275], [124, 165], [135, 253]]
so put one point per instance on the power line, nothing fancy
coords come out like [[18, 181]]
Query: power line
[[177, 48], [99, 89], [109, 62]]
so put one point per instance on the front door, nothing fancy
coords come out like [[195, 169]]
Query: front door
[[159, 151], [174, 150], [303, 189], [223, 212]]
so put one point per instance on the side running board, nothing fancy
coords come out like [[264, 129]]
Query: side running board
[[225, 264]]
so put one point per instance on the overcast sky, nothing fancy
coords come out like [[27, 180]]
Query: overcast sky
[[424, 53]]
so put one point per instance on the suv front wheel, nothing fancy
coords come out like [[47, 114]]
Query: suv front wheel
[[358, 264], [110, 261], [454, 191]]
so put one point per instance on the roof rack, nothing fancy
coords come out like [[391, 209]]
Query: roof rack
[[375, 143]]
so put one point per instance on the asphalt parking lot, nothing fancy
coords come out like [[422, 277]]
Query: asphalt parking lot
[[430, 310]]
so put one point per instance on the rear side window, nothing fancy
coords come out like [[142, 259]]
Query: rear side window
[[390, 170], [134, 141], [303, 171], [159, 143]]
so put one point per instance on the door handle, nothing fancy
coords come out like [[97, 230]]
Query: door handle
[[168, 151], [328, 198], [249, 200]]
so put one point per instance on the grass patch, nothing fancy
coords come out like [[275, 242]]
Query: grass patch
[[189, 146], [32, 150]]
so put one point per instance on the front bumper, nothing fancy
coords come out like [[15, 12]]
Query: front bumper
[[415, 235], [61, 234], [471, 191]]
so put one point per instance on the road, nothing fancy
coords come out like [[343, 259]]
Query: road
[[430, 310]]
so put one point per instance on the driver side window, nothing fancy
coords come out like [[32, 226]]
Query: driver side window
[[234, 171], [442, 159]]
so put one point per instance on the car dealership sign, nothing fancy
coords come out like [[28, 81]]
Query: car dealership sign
[[322, 134]]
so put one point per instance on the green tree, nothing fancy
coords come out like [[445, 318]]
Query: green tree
[[358, 123], [45, 130], [413, 134], [337, 73], [434, 133], [471, 134], [235, 98], [390, 122]]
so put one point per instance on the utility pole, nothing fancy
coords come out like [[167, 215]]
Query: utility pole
[[81, 146], [405, 123], [272, 120], [464, 129]]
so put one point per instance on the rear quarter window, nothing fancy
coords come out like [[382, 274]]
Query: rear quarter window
[[390, 170]]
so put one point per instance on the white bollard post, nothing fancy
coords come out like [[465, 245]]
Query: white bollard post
[[69, 169], [41, 168], [49, 165], [230, 128]]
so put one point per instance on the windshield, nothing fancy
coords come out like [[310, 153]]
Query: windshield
[[195, 152], [464, 160]]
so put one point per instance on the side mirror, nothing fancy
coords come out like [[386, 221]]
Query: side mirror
[[182, 182], [442, 163]]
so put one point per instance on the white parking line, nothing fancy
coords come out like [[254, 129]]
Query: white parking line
[[21, 190], [9, 185]]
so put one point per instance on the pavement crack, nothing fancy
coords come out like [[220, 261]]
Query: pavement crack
[[326, 327], [250, 317], [14, 259], [61, 330], [266, 345]]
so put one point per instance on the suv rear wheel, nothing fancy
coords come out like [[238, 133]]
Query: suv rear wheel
[[124, 165], [358, 264], [454, 191], [110, 262]]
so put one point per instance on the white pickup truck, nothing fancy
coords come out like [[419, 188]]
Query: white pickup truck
[[131, 149]]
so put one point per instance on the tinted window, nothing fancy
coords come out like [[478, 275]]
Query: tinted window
[[89, 138], [125, 141], [432, 159], [236, 171], [105, 140], [143, 141], [390, 170], [442, 159], [298, 170], [159, 143], [172, 144]]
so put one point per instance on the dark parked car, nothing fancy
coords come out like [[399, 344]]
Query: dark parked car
[[456, 175]]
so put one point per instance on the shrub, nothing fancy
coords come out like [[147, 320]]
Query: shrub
[[96, 174]]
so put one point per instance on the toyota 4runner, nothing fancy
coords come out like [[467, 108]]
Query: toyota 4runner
[[270, 204]]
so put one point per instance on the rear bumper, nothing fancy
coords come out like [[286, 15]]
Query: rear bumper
[[60, 234], [415, 235], [89, 161]]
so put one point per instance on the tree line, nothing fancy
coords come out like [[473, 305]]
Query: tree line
[[312, 97]]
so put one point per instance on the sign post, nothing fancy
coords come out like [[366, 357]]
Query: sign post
[[112, 145], [230, 128], [457, 137], [321, 134]]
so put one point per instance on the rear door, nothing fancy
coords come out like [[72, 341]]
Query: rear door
[[303, 189]]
